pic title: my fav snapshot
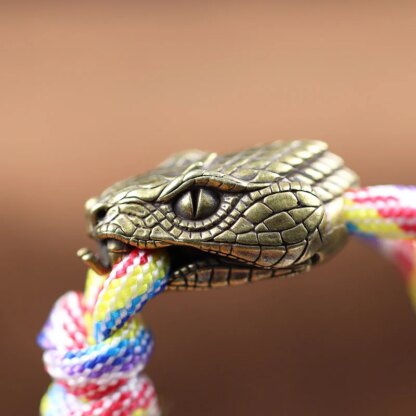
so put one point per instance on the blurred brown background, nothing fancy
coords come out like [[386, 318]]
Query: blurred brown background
[[93, 93]]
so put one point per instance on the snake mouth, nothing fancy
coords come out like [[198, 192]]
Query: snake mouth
[[190, 267], [184, 259]]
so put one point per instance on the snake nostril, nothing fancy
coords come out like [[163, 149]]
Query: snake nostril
[[97, 214], [100, 214]]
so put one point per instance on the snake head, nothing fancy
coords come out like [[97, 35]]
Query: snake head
[[265, 212]]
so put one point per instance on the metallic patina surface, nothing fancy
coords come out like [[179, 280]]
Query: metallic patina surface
[[269, 211]]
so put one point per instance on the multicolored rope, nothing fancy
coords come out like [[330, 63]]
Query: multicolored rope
[[386, 216], [385, 211], [96, 345]]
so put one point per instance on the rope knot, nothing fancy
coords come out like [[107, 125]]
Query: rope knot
[[96, 345]]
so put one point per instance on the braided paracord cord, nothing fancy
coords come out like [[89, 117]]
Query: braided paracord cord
[[385, 215], [96, 346]]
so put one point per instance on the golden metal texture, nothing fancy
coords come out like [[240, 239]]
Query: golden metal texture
[[269, 211]]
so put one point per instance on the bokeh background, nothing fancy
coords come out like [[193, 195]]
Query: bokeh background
[[92, 93]]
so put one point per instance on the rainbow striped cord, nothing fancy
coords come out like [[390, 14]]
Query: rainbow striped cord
[[385, 211], [386, 215], [96, 346]]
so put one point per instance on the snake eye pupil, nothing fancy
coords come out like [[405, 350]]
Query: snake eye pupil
[[197, 204]]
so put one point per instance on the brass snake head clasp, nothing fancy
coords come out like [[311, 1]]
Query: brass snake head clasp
[[269, 211]]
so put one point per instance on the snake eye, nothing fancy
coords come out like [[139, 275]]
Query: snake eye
[[196, 204]]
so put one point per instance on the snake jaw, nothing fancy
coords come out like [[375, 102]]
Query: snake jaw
[[191, 268]]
